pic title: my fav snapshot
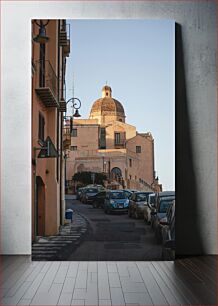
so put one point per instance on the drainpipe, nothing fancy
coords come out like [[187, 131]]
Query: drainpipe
[[59, 159], [62, 157], [35, 197]]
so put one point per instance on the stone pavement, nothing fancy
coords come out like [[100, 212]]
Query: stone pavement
[[60, 246]]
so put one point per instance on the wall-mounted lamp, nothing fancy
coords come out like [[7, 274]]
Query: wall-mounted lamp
[[41, 38]]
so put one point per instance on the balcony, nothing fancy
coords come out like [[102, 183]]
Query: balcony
[[66, 48], [62, 106], [66, 138], [46, 83], [64, 38]]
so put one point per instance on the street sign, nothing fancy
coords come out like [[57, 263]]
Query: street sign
[[48, 150]]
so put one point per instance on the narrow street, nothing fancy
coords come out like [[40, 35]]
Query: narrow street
[[113, 237]]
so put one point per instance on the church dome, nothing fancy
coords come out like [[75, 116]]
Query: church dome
[[107, 108]]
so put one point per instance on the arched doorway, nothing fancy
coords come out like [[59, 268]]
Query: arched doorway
[[116, 174], [40, 209]]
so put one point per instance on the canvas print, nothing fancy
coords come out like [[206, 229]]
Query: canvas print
[[103, 140]]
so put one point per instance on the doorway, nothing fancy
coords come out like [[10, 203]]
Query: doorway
[[40, 198]]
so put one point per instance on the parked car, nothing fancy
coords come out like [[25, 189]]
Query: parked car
[[78, 193], [98, 199], [81, 193], [149, 208], [88, 194], [168, 234], [157, 200], [160, 214], [116, 201], [137, 204]]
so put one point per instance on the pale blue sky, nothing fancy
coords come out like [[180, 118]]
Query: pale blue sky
[[137, 59]]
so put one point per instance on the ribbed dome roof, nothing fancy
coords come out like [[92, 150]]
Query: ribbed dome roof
[[107, 104], [106, 108]]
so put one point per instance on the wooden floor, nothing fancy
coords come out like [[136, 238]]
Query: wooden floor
[[188, 281]]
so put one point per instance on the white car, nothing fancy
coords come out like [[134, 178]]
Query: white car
[[149, 207]]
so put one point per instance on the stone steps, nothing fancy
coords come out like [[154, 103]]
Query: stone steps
[[58, 246]]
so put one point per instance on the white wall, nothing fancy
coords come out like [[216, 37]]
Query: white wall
[[198, 27]]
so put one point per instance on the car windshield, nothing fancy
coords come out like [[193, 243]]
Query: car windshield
[[141, 197], [92, 190], [117, 195], [164, 206], [152, 200]]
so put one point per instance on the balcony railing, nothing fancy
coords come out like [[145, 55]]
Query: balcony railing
[[62, 106], [120, 144], [64, 38], [66, 137], [64, 33], [46, 83]]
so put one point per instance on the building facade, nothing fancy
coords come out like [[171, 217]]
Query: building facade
[[49, 53], [105, 143]]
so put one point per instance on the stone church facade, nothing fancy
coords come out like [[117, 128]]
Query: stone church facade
[[106, 143]]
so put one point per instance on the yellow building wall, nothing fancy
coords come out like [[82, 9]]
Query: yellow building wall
[[142, 163], [47, 168], [88, 156], [120, 127]]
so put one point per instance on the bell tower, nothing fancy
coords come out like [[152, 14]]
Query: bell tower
[[106, 92]]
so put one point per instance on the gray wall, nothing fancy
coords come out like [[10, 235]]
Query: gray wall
[[196, 112]]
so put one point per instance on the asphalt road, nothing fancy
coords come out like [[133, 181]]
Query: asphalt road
[[114, 237]]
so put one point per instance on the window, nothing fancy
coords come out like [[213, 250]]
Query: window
[[102, 140], [74, 133], [138, 149], [130, 162], [41, 130], [117, 138], [120, 139], [73, 148], [130, 177]]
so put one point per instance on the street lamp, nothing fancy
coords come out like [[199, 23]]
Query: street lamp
[[76, 104]]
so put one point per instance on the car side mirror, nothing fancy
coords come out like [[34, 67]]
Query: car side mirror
[[153, 213]]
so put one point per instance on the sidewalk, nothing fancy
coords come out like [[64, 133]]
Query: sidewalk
[[70, 197], [60, 246]]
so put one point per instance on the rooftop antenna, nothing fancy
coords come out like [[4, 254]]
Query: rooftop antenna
[[73, 85]]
